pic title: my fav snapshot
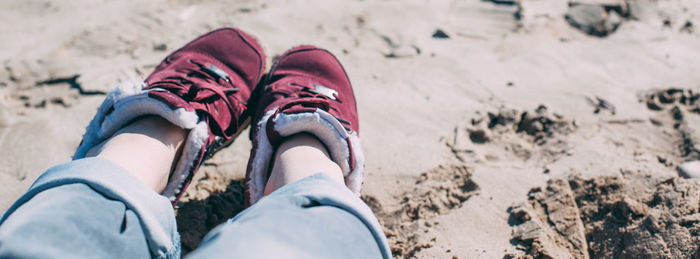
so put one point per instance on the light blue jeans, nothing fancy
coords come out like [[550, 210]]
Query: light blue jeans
[[93, 208]]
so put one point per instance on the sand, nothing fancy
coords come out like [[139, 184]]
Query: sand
[[634, 215], [474, 114]]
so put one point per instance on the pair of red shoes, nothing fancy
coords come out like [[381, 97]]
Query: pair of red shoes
[[215, 85]]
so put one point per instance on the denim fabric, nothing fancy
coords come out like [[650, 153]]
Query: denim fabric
[[93, 208], [315, 217], [89, 208]]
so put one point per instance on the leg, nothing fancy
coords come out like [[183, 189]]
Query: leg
[[115, 199], [158, 143], [305, 170], [299, 157], [102, 207], [308, 213]]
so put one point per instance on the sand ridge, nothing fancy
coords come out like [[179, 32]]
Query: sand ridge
[[633, 215]]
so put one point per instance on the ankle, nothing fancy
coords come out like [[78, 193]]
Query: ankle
[[300, 156], [147, 148]]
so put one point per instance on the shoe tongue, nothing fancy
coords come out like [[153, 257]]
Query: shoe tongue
[[308, 104]]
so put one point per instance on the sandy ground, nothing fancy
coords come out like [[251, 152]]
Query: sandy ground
[[490, 130]]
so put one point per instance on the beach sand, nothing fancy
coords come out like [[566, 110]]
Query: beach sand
[[491, 129]]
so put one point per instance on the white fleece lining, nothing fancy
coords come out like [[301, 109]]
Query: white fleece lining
[[194, 143], [322, 125], [129, 101]]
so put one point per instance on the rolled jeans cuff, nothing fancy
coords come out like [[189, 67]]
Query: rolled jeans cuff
[[155, 212], [317, 190], [322, 190]]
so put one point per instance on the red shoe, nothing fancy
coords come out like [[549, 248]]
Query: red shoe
[[203, 87], [307, 90]]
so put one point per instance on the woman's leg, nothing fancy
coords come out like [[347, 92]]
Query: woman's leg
[[107, 206], [118, 203], [308, 213], [146, 148], [299, 157]]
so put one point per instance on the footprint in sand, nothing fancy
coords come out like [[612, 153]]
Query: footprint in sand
[[537, 135], [678, 111]]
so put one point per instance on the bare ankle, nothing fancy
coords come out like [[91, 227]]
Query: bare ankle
[[147, 148], [300, 156]]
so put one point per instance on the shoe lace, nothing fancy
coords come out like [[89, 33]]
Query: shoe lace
[[194, 84], [325, 94]]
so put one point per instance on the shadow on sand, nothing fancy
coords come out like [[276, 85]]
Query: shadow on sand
[[196, 218]]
